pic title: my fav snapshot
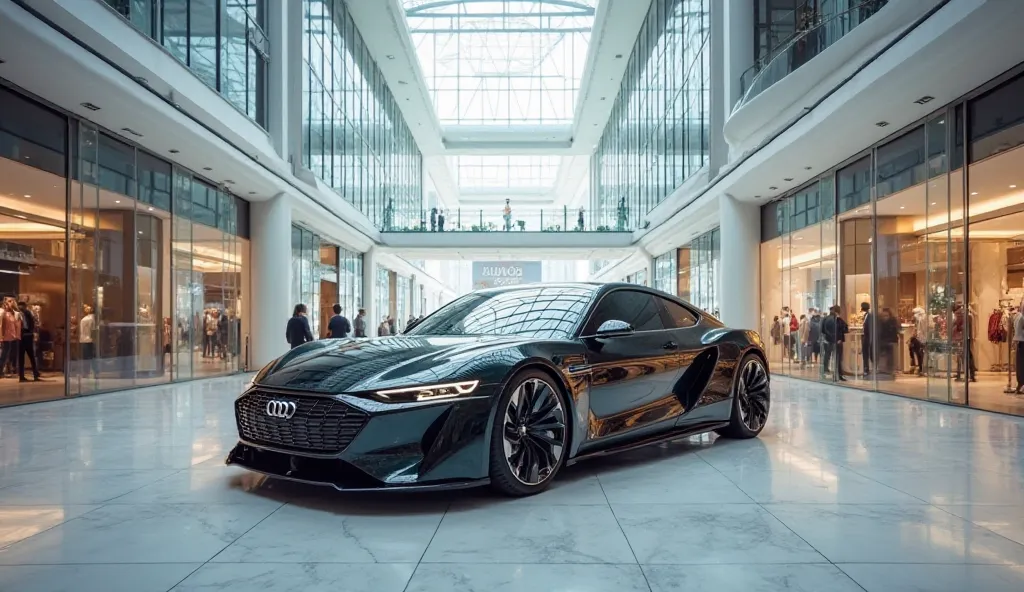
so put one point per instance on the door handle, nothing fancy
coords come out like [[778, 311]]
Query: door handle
[[670, 345]]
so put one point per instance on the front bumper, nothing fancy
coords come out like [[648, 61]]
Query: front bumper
[[436, 445]]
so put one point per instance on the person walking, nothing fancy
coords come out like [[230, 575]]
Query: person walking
[[297, 331], [866, 353], [1018, 342], [383, 330], [579, 220], [507, 215], [360, 323], [440, 221], [28, 343], [10, 331], [433, 219], [338, 327]]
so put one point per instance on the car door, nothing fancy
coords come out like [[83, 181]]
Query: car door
[[697, 360], [632, 374]]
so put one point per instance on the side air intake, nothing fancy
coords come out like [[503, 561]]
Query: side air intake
[[696, 378]]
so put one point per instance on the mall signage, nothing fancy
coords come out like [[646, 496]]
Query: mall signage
[[493, 274]]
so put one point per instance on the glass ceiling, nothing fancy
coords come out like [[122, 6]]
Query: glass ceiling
[[502, 62], [506, 172]]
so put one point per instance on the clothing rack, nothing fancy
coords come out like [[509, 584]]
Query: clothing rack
[[1008, 309]]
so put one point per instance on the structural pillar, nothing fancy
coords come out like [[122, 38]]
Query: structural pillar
[[271, 269], [740, 227], [370, 292], [284, 77]]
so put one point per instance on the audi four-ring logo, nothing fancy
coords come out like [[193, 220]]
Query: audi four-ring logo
[[282, 409]]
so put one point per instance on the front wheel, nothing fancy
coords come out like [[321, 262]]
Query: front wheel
[[751, 400], [530, 437]]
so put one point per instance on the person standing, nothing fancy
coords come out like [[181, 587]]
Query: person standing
[[297, 332], [360, 324], [10, 330], [1018, 342], [392, 330], [803, 333], [814, 334], [579, 220], [383, 330], [507, 215], [433, 219], [866, 353], [28, 343], [338, 327], [409, 323], [440, 221]]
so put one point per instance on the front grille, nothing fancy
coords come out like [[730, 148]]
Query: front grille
[[320, 425]]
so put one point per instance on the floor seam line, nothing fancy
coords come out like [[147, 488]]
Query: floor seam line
[[419, 561], [624, 536]]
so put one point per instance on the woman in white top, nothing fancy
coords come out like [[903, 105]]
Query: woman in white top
[[1018, 340]]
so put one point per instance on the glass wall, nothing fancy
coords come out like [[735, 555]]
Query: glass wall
[[657, 134], [665, 272], [324, 274], [382, 306], [922, 259], [697, 277], [222, 41], [131, 271], [354, 136]]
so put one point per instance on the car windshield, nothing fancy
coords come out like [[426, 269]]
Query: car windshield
[[541, 312]]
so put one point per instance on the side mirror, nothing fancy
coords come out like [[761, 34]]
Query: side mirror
[[614, 328]]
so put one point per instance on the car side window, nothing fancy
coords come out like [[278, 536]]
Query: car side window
[[639, 309], [677, 315]]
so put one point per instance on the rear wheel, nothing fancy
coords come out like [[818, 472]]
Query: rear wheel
[[751, 400], [529, 439]]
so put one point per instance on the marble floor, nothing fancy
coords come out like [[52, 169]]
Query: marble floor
[[846, 490]]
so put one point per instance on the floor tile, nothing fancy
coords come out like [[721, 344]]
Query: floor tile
[[1007, 521], [298, 577], [816, 484], [951, 487], [895, 534], [749, 578], [494, 533], [469, 577], [704, 534], [936, 578], [20, 522], [217, 485], [76, 487], [138, 577], [665, 483], [148, 533], [339, 533]]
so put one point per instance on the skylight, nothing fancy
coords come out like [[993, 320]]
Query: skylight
[[502, 62], [488, 172]]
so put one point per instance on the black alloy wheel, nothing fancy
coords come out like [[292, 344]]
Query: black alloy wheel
[[531, 436], [751, 401]]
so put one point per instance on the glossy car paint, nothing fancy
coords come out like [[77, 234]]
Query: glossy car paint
[[622, 390]]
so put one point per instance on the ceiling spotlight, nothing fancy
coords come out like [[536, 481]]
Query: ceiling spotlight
[[150, 208], [141, 80], [974, 193], [131, 131], [933, 203], [807, 168], [602, 98], [173, 150], [228, 182], [90, 106], [402, 82], [117, 201], [28, 196], [20, 216], [773, 188], [925, 99], [1013, 186], [942, 121], [207, 168], [390, 57], [252, 193], [618, 56], [788, 179], [757, 197], [882, 123], [2, 61], [903, 207]]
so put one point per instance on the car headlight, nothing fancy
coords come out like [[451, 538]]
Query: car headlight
[[429, 393]]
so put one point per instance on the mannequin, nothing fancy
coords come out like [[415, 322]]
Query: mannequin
[[86, 329]]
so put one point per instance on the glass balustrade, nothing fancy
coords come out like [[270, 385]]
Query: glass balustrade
[[820, 31], [497, 220]]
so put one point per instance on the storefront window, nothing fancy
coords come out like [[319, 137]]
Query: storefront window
[[665, 273], [697, 271], [324, 274], [930, 295]]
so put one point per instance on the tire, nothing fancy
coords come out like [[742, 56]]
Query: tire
[[751, 400], [529, 448]]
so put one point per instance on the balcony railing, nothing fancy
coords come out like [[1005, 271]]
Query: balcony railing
[[495, 220], [803, 47]]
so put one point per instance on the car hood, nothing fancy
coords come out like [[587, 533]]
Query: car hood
[[349, 365]]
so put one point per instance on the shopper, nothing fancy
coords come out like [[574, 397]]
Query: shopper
[[815, 334], [440, 221], [1018, 342], [383, 329], [833, 331], [507, 215], [866, 353], [360, 323], [918, 329], [433, 219], [392, 329], [803, 332], [579, 220], [298, 332], [222, 334], [28, 343], [10, 330], [889, 337], [338, 327]]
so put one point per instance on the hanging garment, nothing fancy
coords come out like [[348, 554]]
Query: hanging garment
[[996, 334]]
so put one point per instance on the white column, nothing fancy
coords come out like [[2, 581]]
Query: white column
[[284, 76], [738, 25], [370, 291], [741, 241], [271, 269], [719, 149]]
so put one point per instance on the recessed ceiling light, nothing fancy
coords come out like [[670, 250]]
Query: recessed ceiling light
[[90, 106], [142, 79], [618, 56], [807, 168], [28, 195], [20, 216], [1013, 186], [131, 131], [2, 61], [390, 57], [402, 82], [140, 232], [925, 99], [773, 188], [207, 168], [903, 207], [252, 193], [117, 201], [798, 237], [788, 179], [933, 203], [228, 182], [757, 197], [602, 98], [173, 150], [882, 123], [974, 193], [150, 208]]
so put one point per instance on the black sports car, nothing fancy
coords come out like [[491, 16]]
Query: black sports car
[[504, 386]]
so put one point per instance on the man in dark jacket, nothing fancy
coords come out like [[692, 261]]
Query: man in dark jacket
[[338, 327], [814, 334], [833, 332], [297, 332], [28, 342], [866, 351]]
